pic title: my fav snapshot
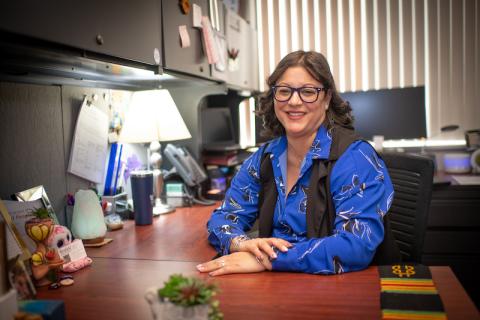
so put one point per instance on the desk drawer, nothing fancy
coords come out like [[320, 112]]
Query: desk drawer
[[451, 242], [454, 213]]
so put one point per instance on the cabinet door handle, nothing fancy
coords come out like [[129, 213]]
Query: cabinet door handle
[[99, 39]]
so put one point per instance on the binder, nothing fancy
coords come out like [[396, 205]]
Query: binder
[[110, 169]]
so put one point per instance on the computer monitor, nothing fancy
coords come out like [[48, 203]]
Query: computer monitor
[[217, 129], [392, 113]]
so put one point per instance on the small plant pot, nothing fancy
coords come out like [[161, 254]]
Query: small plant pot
[[38, 229], [166, 310]]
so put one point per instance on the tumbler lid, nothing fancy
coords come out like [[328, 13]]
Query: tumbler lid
[[141, 173]]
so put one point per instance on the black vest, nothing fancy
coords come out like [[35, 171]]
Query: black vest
[[320, 212]]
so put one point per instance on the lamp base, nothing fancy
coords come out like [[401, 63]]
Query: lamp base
[[161, 208]]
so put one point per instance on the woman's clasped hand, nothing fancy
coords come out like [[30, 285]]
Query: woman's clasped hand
[[237, 262], [260, 246], [248, 255]]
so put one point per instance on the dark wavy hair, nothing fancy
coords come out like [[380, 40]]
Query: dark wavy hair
[[339, 111]]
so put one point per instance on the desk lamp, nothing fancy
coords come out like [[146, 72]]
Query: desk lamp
[[153, 117]]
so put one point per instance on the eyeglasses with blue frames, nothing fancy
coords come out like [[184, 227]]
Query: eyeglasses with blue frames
[[307, 94]]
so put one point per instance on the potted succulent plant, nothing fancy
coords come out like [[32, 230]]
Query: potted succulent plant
[[184, 298]]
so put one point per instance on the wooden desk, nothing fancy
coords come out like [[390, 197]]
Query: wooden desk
[[180, 236], [142, 257]]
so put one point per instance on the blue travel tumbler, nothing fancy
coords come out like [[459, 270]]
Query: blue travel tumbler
[[142, 193]]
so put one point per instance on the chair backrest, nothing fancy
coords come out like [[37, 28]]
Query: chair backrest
[[412, 178]]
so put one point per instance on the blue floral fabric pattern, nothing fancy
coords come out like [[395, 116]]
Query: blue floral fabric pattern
[[362, 194]]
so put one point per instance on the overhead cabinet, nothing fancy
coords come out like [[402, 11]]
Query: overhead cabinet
[[238, 45], [121, 28], [242, 52], [188, 59]]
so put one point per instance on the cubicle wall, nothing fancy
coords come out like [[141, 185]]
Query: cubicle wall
[[37, 123]]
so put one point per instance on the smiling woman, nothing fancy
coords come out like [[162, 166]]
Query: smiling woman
[[319, 193]]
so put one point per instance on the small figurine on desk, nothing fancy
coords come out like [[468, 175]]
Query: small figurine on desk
[[61, 238], [45, 261]]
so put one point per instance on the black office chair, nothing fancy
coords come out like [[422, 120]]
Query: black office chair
[[412, 178]]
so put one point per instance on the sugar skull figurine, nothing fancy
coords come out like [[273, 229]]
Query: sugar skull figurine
[[61, 237]]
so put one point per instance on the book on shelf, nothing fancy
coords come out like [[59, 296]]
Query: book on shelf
[[220, 159]]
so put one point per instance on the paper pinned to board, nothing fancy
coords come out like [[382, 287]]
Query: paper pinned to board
[[90, 144], [184, 37], [197, 16], [209, 42]]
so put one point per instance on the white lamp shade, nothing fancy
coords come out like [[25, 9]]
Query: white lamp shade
[[153, 116]]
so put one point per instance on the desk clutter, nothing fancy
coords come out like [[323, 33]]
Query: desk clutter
[[221, 167], [36, 251]]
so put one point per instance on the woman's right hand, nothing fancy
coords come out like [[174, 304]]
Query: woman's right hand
[[258, 245]]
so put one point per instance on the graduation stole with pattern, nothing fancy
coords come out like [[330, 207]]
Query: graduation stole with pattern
[[408, 292]]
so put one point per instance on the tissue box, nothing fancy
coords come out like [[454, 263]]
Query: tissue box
[[49, 309]]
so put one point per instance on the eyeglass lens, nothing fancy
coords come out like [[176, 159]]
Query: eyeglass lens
[[307, 94]]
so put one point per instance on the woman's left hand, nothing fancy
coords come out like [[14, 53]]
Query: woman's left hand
[[237, 262]]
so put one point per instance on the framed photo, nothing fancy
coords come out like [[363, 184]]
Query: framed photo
[[20, 280], [35, 194], [17, 213], [15, 244]]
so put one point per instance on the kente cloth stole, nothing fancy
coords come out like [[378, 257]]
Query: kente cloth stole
[[408, 292]]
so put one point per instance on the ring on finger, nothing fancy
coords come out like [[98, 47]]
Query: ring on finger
[[222, 263]]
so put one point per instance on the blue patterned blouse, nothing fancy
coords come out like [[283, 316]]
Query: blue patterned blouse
[[362, 193]]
